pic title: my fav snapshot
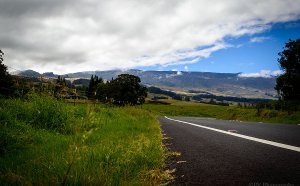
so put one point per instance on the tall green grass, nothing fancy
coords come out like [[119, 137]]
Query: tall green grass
[[47, 142], [38, 112]]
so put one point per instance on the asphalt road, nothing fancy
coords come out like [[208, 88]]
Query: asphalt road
[[210, 157]]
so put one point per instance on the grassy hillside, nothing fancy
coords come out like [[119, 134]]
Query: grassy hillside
[[44, 141], [182, 108]]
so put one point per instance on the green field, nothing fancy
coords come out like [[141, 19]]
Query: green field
[[48, 142], [183, 108]]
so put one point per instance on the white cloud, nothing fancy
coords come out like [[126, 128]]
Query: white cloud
[[259, 39], [68, 36], [262, 73], [277, 72], [186, 68], [174, 73]]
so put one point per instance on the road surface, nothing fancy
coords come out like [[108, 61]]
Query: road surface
[[218, 152]]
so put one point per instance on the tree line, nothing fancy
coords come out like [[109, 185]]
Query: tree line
[[124, 90]]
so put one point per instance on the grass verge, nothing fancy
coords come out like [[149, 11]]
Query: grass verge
[[44, 141], [193, 109]]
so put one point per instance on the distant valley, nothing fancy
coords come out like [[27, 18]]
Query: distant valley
[[190, 83]]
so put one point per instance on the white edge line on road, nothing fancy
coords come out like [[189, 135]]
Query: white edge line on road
[[281, 145]]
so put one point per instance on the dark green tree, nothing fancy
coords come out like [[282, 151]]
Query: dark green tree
[[126, 89], [287, 84], [103, 92], [142, 94], [93, 85], [61, 81], [6, 82], [88, 90], [61, 87]]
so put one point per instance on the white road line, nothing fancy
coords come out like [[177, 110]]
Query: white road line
[[281, 145]]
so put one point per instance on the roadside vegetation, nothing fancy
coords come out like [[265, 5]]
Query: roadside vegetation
[[233, 112], [45, 141]]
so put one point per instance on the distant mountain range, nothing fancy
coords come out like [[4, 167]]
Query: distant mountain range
[[227, 84]]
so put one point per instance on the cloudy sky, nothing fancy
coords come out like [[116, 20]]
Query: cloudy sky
[[187, 35]]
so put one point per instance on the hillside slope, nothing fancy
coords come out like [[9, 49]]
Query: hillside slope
[[228, 84]]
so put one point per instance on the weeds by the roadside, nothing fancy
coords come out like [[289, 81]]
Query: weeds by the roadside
[[45, 141]]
